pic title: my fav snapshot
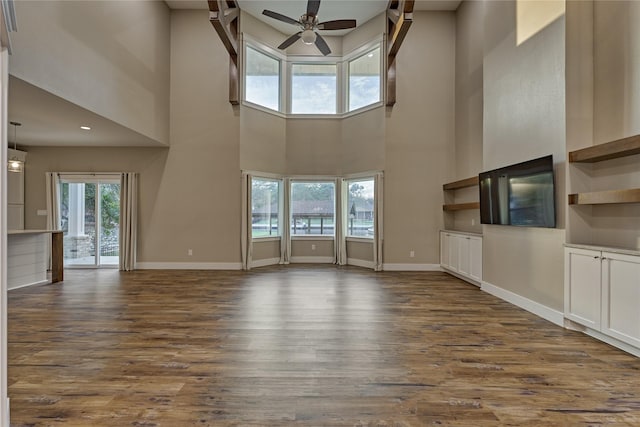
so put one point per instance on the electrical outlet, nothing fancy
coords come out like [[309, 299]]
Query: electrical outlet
[[313, 247], [190, 252], [41, 212], [473, 221], [412, 254]]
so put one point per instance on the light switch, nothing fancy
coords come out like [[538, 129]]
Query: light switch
[[41, 212]]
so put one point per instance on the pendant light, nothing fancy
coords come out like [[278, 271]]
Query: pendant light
[[15, 164]]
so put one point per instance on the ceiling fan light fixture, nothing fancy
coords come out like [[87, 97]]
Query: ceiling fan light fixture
[[308, 37]]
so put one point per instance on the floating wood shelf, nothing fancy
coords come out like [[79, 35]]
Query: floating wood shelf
[[461, 206], [463, 183], [606, 197], [607, 151]]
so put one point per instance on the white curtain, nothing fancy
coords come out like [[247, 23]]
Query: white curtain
[[246, 243], [340, 243], [52, 183], [378, 223], [128, 220], [285, 240]]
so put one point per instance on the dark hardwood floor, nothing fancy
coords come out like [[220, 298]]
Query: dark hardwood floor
[[301, 345]]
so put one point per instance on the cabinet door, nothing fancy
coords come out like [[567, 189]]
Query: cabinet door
[[621, 297], [475, 258], [444, 249], [463, 255], [454, 255], [582, 290]]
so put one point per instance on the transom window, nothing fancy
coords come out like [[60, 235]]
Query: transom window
[[313, 88], [312, 85], [262, 79], [364, 80]]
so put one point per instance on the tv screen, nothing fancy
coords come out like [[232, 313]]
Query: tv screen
[[522, 194]]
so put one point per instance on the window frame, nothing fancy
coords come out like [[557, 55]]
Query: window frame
[[347, 182], [312, 61], [325, 180], [249, 43], [342, 78], [353, 56], [281, 183]]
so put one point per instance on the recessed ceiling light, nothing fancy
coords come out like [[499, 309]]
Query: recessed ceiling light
[[85, 128]]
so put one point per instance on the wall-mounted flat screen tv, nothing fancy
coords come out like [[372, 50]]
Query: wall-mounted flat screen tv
[[522, 194]]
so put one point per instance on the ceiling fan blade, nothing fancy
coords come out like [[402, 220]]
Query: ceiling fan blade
[[312, 7], [338, 24], [322, 45], [280, 17], [291, 40]]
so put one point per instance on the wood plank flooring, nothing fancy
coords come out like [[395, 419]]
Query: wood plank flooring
[[301, 346]]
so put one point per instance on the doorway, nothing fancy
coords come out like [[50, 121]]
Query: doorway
[[90, 221]]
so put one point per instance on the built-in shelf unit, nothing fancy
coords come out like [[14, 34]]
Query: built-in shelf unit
[[601, 152], [456, 185]]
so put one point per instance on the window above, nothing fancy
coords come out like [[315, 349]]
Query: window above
[[364, 80], [322, 86], [262, 79], [313, 88]]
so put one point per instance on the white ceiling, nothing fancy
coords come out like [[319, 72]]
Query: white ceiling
[[48, 120], [360, 10]]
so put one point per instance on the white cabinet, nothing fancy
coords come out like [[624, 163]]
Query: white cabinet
[[602, 292], [461, 254], [582, 289], [621, 297], [475, 258]]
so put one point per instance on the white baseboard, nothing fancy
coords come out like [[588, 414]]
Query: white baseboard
[[361, 263], [461, 276], [411, 267], [612, 341], [312, 260], [188, 266], [265, 262], [41, 282], [547, 313]]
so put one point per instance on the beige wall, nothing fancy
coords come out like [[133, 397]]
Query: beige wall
[[119, 57], [304, 248], [616, 53], [524, 118], [268, 249], [420, 140], [189, 193], [263, 141], [360, 250], [150, 163], [469, 99]]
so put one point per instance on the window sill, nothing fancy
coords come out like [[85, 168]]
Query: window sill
[[266, 239], [359, 239], [336, 116], [311, 237]]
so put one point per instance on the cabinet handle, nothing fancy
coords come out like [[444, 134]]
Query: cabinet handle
[[596, 257], [468, 238], [603, 258]]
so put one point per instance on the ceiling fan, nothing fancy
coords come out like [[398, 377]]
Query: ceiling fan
[[309, 24]]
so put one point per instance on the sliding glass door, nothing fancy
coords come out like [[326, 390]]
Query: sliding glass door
[[90, 217]]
